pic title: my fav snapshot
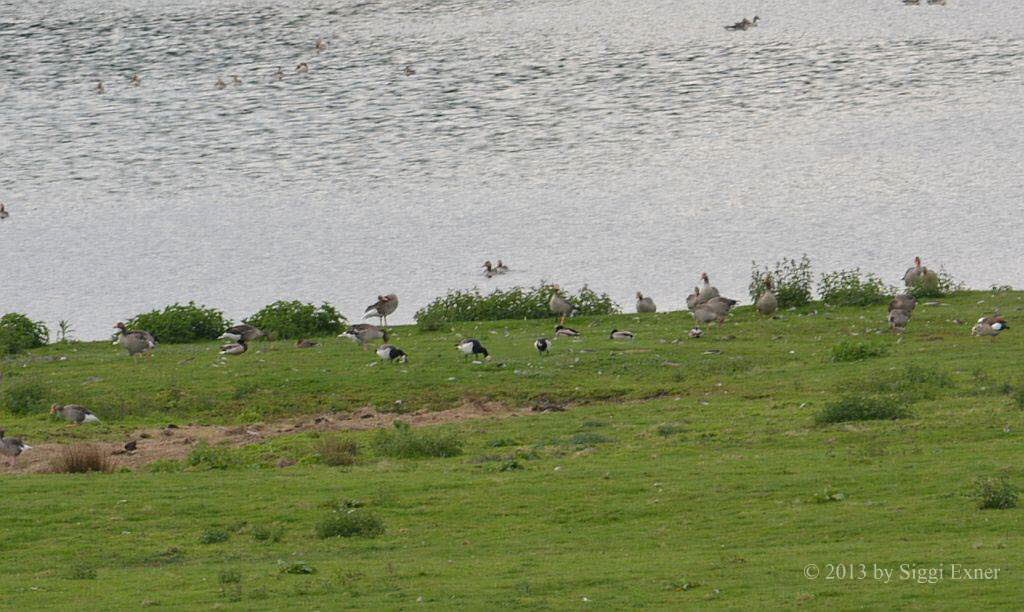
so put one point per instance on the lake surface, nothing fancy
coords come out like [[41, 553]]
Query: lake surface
[[626, 145]]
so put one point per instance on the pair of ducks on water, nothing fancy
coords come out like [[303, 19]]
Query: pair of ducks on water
[[491, 270]]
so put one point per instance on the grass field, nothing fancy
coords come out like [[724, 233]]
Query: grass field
[[663, 472]]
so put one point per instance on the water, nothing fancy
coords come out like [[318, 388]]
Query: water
[[626, 146]]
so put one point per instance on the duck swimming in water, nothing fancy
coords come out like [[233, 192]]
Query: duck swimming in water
[[744, 25]]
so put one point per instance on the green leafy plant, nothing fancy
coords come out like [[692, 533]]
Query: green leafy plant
[[24, 397], [212, 458], [852, 288], [214, 536], [828, 495], [336, 451], [406, 443], [18, 333], [850, 350], [179, 323], [296, 319], [791, 278], [935, 284], [351, 523], [295, 567], [861, 408], [996, 493]]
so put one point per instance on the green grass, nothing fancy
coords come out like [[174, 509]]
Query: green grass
[[683, 472]]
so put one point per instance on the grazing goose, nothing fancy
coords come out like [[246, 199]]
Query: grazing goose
[[565, 332], [391, 353], [306, 344], [558, 304], [542, 345], [279, 75], [743, 25], [489, 270], [235, 348], [645, 304], [501, 268], [3, 211], [74, 413], [767, 303], [707, 292], [702, 314], [137, 341], [720, 305], [220, 84], [363, 333], [320, 46], [693, 300], [990, 326], [302, 68], [472, 346], [898, 320], [621, 335], [385, 305], [99, 87], [242, 331], [136, 80], [409, 71], [903, 301], [12, 447]]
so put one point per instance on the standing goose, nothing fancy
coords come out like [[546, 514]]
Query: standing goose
[[489, 271], [74, 413], [12, 447], [363, 333], [3, 211], [767, 303], [501, 268], [898, 320], [562, 331], [990, 326], [385, 305], [720, 305], [645, 304], [243, 331], [472, 346], [707, 292], [542, 345], [137, 341], [236, 348], [621, 335], [393, 354], [920, 275], [705, 315], [558, 304]]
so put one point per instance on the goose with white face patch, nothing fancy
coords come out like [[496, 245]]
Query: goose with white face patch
[[621, 335], [393, 354], [472, 347], [74, 413], [542, 345], [12, 447]]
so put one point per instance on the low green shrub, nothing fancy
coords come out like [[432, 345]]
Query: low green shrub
[[24, 397], [298, 320], [80, 570], [352, 523], [935, 285], [214, 536], [295, 567], [850, 350], [791, 278], [18, 333], [513, 303], [861, 408], [212, 458], [336, 451], [404, 442], [996, 493], [852, 288], [180, 323], [266, 533]]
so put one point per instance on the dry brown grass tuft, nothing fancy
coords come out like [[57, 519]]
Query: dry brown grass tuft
[[81, 458]]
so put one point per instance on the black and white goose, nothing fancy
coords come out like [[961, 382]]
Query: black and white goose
[[363, 333], [621, 335], [12, 447], [562, 331], [391, 353], [74, 413], [235, 348], [542, 345], [243, 331], [135, 341], [472, 346]]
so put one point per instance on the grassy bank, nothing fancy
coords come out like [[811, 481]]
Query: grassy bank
[[681, 471]]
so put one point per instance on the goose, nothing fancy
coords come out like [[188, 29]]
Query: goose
[[74, 413], [235, 80], [363, 333], [767, 303], [302, 68], [489, 270], [279, 75], [743, 25], [621, 335], [720, 305], [136, 80], [136, 341], [385, 305], [693, 300], [898, 320], [242, 331], [12, 447], [558, 304], [500, 268], [706, 291], [542, 345], [320, 46], [393, 354], [990, 326], [306, 344], [565, 332], [409, 71], [220, 84], [235, 348], [702, 314], [472, 346], [912, 274], [99, 87], [645, 304], [3, 211], [903, 301]]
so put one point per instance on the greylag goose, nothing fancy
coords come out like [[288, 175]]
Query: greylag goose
[[135, 341], [74, 413], [302, 68], [500, 268], [12, 447], [472, 346], [320, 46], [645, 304], [707, 292], [489, 271], [99, 87], [409, 71], [621, 335], [898, 320], [989, 326], [720, 305], [767, 303], [3, 211], [558, 304], [912, 274], [363, 333], [693, 300], [542, 345], [242, 331], [391, 353], [136, 80], [562, 331], [220, 84], [385, 305], [743, 25], [235, 348], [903, 301], [306, 343], [705, 315]]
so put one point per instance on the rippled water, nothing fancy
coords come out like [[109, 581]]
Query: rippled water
[[626, 145]]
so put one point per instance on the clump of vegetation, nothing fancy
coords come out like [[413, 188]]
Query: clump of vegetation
[[828, 495], [850, 350], [180, 323], [934, 285], [82, 458], [500, 442], [669, 429], [298, 320], [996, 493], [912, 384], [18, 333], [861, 408], [296, 567], [352, 523], [230, 585], [406, 443], [589, 438], [514, 303], [214, 536], [791, 278], [23, 398], [212, 458], [265, 533], [81, 571], [852, 288], [336, 451]]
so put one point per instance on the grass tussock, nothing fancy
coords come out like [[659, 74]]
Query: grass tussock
[[337, 451], [212, 458], [995, 493], [348, 524], [82, 458], [214, 536], [851, 350], [403, 442], [862, 408]]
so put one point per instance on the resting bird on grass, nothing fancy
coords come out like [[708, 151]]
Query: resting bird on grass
[[385, 305], [562, 331], [645, 304], [990, 326], [306, 344], [472, 346], [696, 332], [720, 305], [74, 413], [702, 314], [393, 354], [559, 305], [621, 335], [236, 348], [242, 331], [542, 345], [363, 333], [136, 341], [12, 447], [767, 303]]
